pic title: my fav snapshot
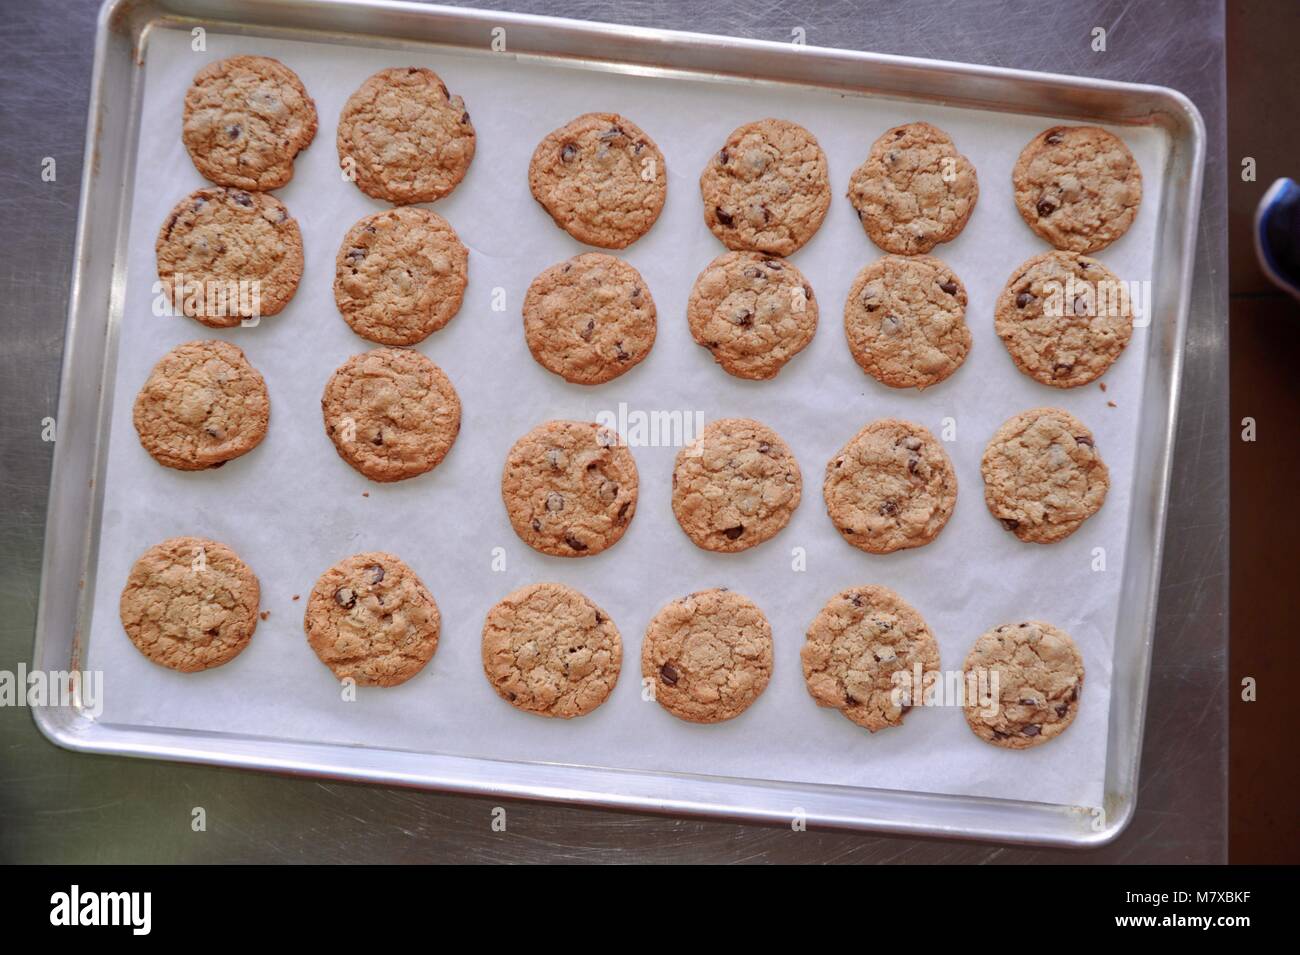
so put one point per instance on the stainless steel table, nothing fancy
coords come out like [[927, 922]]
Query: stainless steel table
[[57, 806]]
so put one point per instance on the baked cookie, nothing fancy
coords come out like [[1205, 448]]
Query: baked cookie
[[404, 138], [246, 119], [708, 656], [570, 488], [225, 255], [370, 619], [891, 487], [1078, 187], [549, 650], [391, 413], [767, 188], [400, 275], [601, 179], [1043, 476], [753, 312], [1039, 675], [856, 644], [202, 405], [589, 319], [915, 190], [736, 486], [1064, 318], [905, 319], [190, 604]]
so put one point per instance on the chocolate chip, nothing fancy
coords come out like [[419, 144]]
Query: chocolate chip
[[355, 255], [636, 293], [723, 157], [1023, 299], [622, 512], [856, 600], [610, 134], [889, 508], [773, 264], [1062, 368], [723, 218], [345, 597], [214, 433], [1084, 440], [554, 502], [1045, 208], [764, 447], [464, 118], [1054, 137], [1029, 702], [950, 287], [568, 152], [446, 93], [378, 439], [732, 533], [1033, 729], [600, 617], [243, 199], [376, 573], [911, 465], [998, 734], [668, 674], [1062, 709], [745, 319], [619, 353], [587, 332], [573, 542], [233, 131], [537, 525], [1010, 523]]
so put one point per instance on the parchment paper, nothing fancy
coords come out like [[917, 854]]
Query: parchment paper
[[292, 507]]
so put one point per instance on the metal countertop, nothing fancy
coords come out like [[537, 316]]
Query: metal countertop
[[57, 806]]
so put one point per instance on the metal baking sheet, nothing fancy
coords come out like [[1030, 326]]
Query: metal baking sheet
[[68, 632]]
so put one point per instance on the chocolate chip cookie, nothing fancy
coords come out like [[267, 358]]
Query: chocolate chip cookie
[[891, 487], [589, 319], [202, 405], [225, 255], [190, 604], [915, 189], [855, 645], [1043, 476], [767, 189], [1064, 318], [370, 619], [905, 319], [246, 119], [736, 486], [404, 138], [1039, 673], [391, 413], [549, 650], [400, 275], [601, 178], [708, 656], [570, 488], [1078, 187], [753, 312]]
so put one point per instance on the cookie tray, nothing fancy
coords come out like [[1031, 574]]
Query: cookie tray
[[76, 507]]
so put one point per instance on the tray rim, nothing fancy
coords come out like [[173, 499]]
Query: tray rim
[[123, 26]]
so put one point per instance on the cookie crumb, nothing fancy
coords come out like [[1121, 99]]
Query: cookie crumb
[[297, 596], [265, 614], [1101, 385], [365, 493], [1111, 404]]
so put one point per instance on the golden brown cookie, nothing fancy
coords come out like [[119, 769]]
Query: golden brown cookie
[[370, 619], [1043, 476], [589, 319], [753, 312], [202, 405], [246, 119], [225, 255], [891, 487], [570, 488], [601, 178], [1078, 187], [1039, 676], [190, 604], [549, 650], [915, 189], [400, 275], [767, 189], [391, 413], [1064, 318], [736, 486], [708, 656], [404, 138], [856, 645], [905, 319]]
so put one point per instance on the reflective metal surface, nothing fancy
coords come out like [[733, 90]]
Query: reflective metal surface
[[547, 829]]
